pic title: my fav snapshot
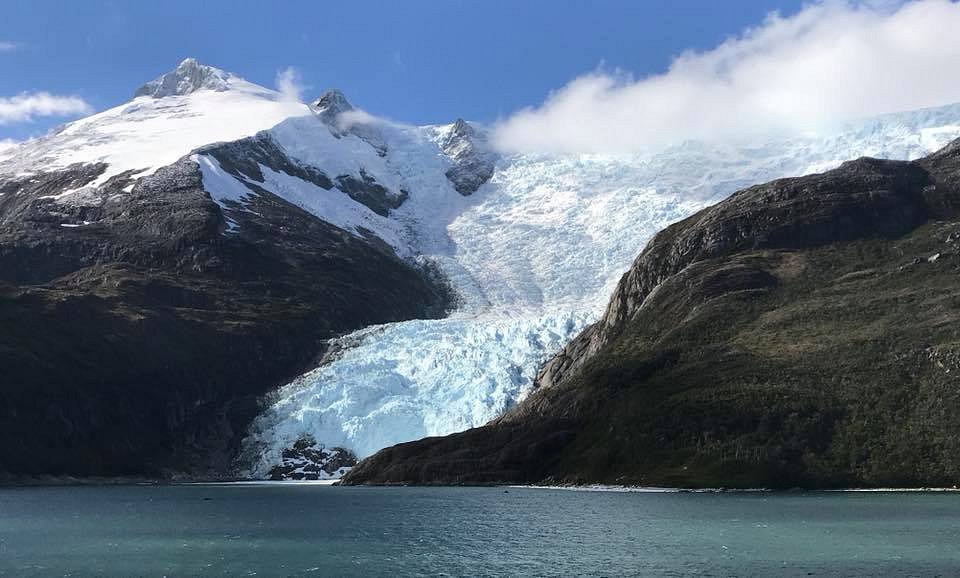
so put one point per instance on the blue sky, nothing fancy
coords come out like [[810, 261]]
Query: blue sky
[[414, 60]]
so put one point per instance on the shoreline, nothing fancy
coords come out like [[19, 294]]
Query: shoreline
[[664, 490], [67, 481]]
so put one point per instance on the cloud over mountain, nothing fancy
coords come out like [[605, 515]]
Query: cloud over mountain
[[289, 84], [832, 60], [27, 106]]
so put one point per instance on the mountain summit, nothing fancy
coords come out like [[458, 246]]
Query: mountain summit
[[188, 77], [331, 104], [342, 119], [147, 133], [473, 161]]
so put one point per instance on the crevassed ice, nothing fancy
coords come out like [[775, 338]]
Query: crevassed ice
[[535, 253], [412, 379]]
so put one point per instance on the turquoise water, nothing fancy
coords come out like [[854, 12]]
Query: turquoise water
[[304, 530]]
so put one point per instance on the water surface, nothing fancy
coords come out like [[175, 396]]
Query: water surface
[[309, 530]]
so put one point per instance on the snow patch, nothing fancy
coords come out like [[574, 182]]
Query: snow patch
[[335, 207], [221, 185]]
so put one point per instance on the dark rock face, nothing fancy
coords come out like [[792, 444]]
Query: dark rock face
[[799, 333], [243, 159], [368, 191], [307, 460], [473, 162], [139, 339]]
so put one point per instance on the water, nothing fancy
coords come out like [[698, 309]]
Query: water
[[309, 530]]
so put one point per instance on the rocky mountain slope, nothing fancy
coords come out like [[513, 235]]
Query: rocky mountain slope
[[145, 307], [799, 333]]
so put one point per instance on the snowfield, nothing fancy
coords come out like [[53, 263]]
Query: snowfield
[[148, 133]]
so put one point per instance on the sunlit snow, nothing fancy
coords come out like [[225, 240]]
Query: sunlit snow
[[148, 133]]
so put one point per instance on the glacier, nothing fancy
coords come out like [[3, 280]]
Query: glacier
[[534, 254]]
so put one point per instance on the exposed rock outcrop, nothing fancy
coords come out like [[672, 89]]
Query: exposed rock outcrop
[[308, 460], [189, 76], [473, 161]]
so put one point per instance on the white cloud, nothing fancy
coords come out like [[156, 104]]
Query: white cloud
[[289, 84], [7, 46], [355, 117], [29, 105], [833, 60]]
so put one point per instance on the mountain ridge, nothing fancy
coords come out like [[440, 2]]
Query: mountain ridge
[[189, 76]]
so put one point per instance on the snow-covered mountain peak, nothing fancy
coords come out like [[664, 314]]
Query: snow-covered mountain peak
[[342, 118], [331, 104], [467, 148], [191, 106], [459, 127], [460, 135], [188, 77]]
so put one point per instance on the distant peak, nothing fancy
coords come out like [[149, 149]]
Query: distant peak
[[461, 134], [461, 128], [331, 104], [468, 150], [330, 109], [189, 76]]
